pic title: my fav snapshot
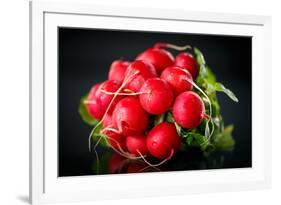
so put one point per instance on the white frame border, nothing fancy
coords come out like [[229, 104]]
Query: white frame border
[[37, 11]]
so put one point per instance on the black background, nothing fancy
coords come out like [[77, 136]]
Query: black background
[[84, 59]]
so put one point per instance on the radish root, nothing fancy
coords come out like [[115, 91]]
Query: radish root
[[172, 46], [126, 94], [156, 168], [158, 164]]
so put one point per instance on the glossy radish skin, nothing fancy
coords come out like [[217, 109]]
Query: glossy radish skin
[[156, 96], [107, 120], [188, 62], [144, 71], [163, 140], [178, 78], [116, 140], [188, 110], [129, 117], [98, 101], [160, 58], [95, 113], [117, 70], [136, 144]]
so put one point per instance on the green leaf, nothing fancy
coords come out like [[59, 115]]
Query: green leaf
[[194, 138], [97, 135], [98, 128], [84, 113], [159, 119], [189, 140], [210, 78], [202, 141], [224, 140], [199, 56], [220, 87], [210, 88], [203, 72], [169, 117]]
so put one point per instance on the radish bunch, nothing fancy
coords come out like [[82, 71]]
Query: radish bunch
[[155, 105]]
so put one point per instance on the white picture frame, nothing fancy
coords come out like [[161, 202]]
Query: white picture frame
[[45, 186]]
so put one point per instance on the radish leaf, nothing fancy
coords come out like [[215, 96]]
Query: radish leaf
[[224, 140], [159, 119], [199, 56], [220, 87], [84, 113], [169, 117]]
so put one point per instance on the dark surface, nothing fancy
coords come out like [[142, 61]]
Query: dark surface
[[84, 59]]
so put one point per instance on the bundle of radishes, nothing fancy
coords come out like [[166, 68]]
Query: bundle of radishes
[[157, 104]]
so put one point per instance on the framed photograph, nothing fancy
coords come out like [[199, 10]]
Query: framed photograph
[[130, 102]]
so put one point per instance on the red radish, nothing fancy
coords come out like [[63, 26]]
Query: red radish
[[115, 163], [107, 120], [188, 62], [91, 97], [117, 70], [156, 96], [137, 145], [178, 78], [91, 107], [188, 110], [143, 72], [116, 140], [98, 101], [163, 141], [129, 117], [159, 57]]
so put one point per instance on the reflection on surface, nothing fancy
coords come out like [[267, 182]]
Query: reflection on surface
[[112, 163]]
